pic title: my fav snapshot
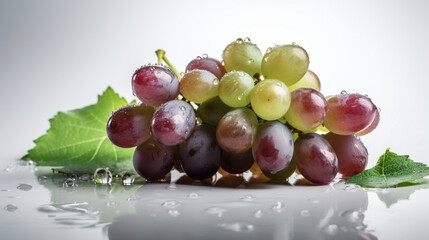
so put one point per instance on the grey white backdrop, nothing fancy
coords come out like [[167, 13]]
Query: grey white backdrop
[[58, 55]]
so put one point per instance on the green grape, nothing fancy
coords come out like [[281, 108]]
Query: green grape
[[235, 88], [242, 56], [212, 110], [199, 85], [310, 80], [270, 99], [287, 63]]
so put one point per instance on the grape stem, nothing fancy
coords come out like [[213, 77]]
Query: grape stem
[[161, 57]]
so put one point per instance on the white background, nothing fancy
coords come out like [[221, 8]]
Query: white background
[[58, 55]]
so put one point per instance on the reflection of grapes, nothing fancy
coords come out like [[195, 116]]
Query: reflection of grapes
[[244, 107]]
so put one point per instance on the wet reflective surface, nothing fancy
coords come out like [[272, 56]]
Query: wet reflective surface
[[38, 204]]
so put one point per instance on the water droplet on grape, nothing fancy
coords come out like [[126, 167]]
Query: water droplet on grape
[[223, 63], [11, 208], [102, 176], [173, 212], [266, 59], [205, 55], [198, 57], [182, 74], [241, 74], [268, 50], [216, 211], [24, 187], [344, 92], [127, 179], [258, 214], [69, 183], [215, 81], [305, 213], [239, 41], [237, 226], [250, 61], [182, 108], [194, 196], [246, 39]]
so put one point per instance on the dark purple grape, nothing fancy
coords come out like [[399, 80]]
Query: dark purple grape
[[236, 130], [129, 126], [273, 147], [209, 64], [212, 110], [155, 85], [315, 158], [172, 122], [236, 163], [283, 174], [200, 154], [352, 154], [153, 160]]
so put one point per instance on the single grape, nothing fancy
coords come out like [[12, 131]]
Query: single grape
[[315, 158], [242, 56], [209, 64], [155, 85], [200, 154], [349, 113], [352, 154], [236, 163], [153, 160], [236, 130], [235, 88], [212, 110], [129, 126], [307, 110], [371, 126], [283, 174], [310, 80], [199, 85], [273, 147], [287, 63], [270, 99], [173, 122]]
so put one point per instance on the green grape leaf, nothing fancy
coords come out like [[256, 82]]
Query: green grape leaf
[[77, 139], [391, 169]]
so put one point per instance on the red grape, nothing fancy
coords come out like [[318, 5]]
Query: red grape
[[209, 64]]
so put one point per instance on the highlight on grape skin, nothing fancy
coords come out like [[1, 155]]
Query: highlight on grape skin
[[308, 109], [242, 55], [315, 158], [273, 148], [235, 88], [270, 99], [129, 126], [155, 85], [371, 126], [236, 130], [173, 122], [287, 63], [206, 63], [199, 85], [349, 113]]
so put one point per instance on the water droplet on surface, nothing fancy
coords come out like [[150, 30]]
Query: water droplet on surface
[[49, 209], [173, 212], [353, 216], [216, 211], [239, 41], [237, 227], [194, 196], [24, 187], [215, 81], [127, 179], [69, 183], [171, 204], [133, 198], [10, 167], [182, 108], [343, 92], [331, 229], [313, 200], [258, 214], [4, 190], [172, 187], [278, 207], [102, 176], [11, 208], [247, 198], [268, 50], [111, 204], [305, 213], [351, 188], [205, 55]]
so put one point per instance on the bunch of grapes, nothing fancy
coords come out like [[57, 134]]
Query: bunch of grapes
[[250, 111]]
